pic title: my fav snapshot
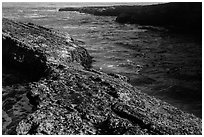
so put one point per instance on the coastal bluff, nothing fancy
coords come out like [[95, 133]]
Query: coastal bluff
[[182, 17], [50, 88]]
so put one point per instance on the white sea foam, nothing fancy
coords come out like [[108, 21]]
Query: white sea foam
[[35, 15], [110, 66]]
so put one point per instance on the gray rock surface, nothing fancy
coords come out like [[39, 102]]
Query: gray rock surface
[[50, 88]]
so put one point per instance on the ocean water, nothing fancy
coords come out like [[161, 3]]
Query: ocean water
[[161, 64]]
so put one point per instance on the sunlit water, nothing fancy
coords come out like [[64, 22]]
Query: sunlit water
[[161, 64]]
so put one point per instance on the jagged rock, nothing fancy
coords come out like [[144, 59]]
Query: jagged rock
[[67, 96]]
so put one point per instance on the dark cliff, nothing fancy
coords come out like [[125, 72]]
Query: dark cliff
[[50, 88], [177, 16]]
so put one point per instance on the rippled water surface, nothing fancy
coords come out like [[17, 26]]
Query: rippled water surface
[[160, 63]]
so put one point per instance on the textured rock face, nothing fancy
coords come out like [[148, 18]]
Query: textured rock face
[[61, 94]]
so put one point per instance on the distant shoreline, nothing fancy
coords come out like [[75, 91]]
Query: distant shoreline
[[183, 17], [74, 4]]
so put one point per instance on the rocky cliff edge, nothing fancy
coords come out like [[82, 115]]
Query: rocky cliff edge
[[50, 88]]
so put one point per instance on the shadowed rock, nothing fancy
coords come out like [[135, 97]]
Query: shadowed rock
[[69, 97]]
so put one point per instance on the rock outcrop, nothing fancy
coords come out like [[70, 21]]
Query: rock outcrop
[[50, 88]]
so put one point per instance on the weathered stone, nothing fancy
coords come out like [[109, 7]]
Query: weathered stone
[[67, 96]]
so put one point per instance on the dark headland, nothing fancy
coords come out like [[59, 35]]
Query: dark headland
[[50, 88], [184, 17]]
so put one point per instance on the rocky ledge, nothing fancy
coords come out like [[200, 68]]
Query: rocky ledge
[[50, 88]]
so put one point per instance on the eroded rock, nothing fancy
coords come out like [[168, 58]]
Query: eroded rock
[[69, 97]]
